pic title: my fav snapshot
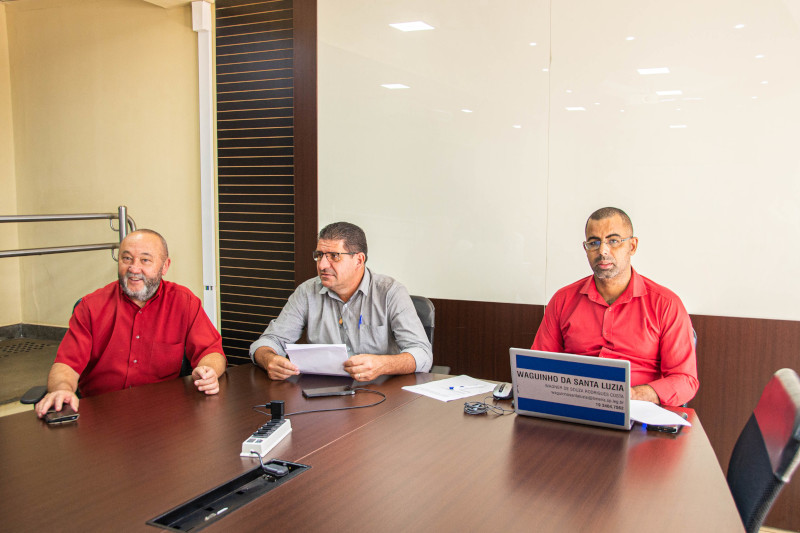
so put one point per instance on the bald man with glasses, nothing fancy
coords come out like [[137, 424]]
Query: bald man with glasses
[[618, 313], [347, 303]]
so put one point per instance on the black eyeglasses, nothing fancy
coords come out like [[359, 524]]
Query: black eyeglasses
[[333, 257], [593, 246]]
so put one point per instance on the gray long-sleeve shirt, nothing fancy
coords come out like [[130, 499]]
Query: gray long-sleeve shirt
[[379, 318]]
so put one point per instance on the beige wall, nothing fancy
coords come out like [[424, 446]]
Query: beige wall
[[10, 312], [104, 99]]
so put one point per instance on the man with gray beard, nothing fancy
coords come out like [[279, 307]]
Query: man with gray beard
[[134, 331]]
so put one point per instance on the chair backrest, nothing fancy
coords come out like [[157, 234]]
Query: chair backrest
[[426, 313], [768, 449]]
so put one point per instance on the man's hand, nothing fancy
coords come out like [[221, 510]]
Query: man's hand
[[277, 366], [56, 400], [206, 379], [367, 366], [62, 382], [646, 393]]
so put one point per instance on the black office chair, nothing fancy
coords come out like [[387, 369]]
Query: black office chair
[[427, 313], [768, 449]]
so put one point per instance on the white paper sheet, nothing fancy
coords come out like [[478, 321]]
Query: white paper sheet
[[650, 413], [327, 359], [453, 388]]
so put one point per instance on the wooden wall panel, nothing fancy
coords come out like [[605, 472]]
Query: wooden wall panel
[[305, 138], [474, 337], [736, 357], [266, 161]]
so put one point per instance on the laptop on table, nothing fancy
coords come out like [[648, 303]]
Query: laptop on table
[[573, 388]]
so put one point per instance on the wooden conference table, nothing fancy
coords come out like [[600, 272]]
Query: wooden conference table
[[409, 464]]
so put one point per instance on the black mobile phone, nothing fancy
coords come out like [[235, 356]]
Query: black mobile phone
[[66, 414], [328, 391], [668, 429]]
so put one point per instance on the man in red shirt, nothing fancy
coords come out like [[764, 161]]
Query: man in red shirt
[[619, 314], [134, 331]]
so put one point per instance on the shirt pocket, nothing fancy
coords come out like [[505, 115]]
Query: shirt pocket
[[375, 339], [166, 360]]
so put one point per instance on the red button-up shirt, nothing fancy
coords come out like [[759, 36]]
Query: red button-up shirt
[[647, 325], [114, 344]]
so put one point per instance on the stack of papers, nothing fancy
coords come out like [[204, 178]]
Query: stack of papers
[[325, 359], [454, 388], [650, 413]]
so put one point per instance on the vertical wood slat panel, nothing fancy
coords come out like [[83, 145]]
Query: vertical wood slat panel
[[255, 150], [305, 131]]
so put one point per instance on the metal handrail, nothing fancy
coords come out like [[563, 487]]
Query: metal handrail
[[125, 223]]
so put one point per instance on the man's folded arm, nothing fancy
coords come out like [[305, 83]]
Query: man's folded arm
[[285, 329], [262, 355], [367, 366], [216, 361], [416, 353], [679, 382], [548, 337], [675, 389], [208, 371]]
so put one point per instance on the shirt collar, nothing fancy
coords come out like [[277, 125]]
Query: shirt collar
[[363, 287], [634, 289]]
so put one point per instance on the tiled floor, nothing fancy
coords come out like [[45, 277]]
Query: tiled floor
[[24, 363]]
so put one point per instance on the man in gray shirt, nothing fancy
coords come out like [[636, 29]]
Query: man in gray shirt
[[371, 314]]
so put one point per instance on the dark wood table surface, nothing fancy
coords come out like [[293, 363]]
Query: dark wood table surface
[[409, 464]]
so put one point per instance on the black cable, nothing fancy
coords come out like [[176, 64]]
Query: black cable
[[481, 408], [383, 399], [274, 470]]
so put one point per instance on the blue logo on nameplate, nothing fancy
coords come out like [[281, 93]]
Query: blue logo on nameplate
[[574, 368], [572, 389]]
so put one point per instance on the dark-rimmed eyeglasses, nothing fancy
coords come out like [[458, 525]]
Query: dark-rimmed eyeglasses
[[333, 257], [593, 246]]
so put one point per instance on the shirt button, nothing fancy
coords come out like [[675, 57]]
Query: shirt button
[[137, 336], [135, 360]]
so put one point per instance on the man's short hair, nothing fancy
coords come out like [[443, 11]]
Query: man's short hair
[[354, 238], [157, 234], [608, 212]]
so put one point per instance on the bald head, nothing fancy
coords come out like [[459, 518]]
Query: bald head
[[610, 212], [151, 236]]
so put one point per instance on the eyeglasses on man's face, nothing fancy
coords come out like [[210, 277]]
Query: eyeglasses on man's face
[[595, 244], [333, 257]]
